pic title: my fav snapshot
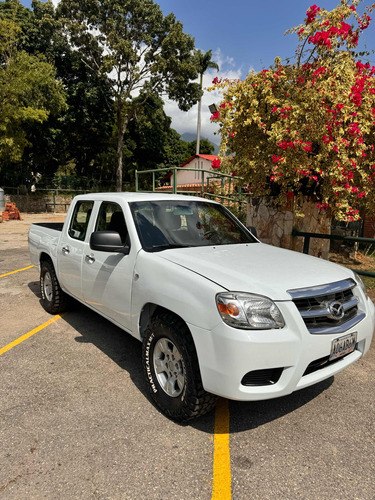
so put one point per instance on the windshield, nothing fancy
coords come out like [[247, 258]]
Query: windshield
[[175, 224]]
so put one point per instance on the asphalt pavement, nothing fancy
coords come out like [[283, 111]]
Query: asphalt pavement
[[76, 420]]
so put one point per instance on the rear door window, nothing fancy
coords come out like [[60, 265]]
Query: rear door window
[[80, 220]]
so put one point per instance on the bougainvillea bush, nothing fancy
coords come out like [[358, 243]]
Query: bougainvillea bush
[[307, 127]]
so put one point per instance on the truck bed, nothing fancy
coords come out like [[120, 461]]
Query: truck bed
[[58, 226]]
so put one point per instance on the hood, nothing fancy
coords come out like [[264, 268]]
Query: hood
[[257, 268]]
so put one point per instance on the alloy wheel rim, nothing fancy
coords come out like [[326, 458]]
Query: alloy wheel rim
[[47, 286], [169, 367]]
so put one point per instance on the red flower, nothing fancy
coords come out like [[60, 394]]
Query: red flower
[[216, 163], [276, 159], [289, 194], [321, 38], [311, 13]]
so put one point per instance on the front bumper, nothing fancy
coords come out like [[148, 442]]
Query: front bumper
[[227, 354]]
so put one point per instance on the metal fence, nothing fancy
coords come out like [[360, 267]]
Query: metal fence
[[353, 239]]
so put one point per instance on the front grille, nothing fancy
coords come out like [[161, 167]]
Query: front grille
[[262, 377], [330, 308]]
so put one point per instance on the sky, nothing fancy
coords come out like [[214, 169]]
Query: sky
[[243, 35]]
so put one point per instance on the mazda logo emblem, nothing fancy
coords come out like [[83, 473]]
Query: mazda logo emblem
[[336, 310]]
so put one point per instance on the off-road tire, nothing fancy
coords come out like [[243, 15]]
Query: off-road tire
[[54, 300], [193, 401]]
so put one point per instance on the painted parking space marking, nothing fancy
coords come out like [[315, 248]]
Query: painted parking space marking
[[221, 488], [17, 271], [29, 334]]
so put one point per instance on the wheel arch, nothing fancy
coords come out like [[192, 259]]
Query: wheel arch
[[151, 311], [44, 257]]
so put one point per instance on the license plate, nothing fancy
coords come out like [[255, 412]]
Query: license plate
[[343, 345]]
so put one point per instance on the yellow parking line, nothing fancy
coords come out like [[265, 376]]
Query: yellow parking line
[[28, 334], [221, 488], [18, 270]]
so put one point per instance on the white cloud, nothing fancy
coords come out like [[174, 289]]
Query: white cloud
[[187, 121]]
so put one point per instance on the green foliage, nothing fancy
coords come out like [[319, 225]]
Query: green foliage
[[206, 147], [29, 93], [307, 127], [113, 110]]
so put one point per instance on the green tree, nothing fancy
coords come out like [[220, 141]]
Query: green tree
[[29, 93], [81, 136], [205, 63], [146, 137], [138, 50], [205, 148], [175, 150], [308, 127]]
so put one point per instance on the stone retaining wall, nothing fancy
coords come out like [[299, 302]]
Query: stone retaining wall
[[275, 227]]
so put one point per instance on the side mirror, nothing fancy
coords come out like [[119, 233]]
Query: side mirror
[[108, 241], [252, 230]]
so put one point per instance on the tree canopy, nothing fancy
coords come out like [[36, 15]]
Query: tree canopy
[[138, 51], [29, 93], [79, 144], [307, 127]]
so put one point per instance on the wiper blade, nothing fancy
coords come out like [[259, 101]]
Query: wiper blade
[[168, 246]]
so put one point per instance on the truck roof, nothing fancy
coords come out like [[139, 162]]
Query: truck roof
[[133, 196]]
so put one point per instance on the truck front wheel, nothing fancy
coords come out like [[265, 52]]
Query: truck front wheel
[[53, 298], [172, 371]]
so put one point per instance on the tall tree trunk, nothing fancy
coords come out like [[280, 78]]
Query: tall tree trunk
[[199, 119], [120, 144], [122, 125]]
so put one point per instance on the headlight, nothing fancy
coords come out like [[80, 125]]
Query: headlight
[[248, 311], [360, 283]]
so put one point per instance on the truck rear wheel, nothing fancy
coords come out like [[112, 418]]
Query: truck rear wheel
[[171, 370], [54, 300]]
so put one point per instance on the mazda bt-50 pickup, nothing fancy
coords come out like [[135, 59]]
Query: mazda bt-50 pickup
[[218, 312]]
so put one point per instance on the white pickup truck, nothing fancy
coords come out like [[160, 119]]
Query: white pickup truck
[[218, 312]]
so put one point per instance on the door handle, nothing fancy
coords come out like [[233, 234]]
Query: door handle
[[65, 250], [90, 258]]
